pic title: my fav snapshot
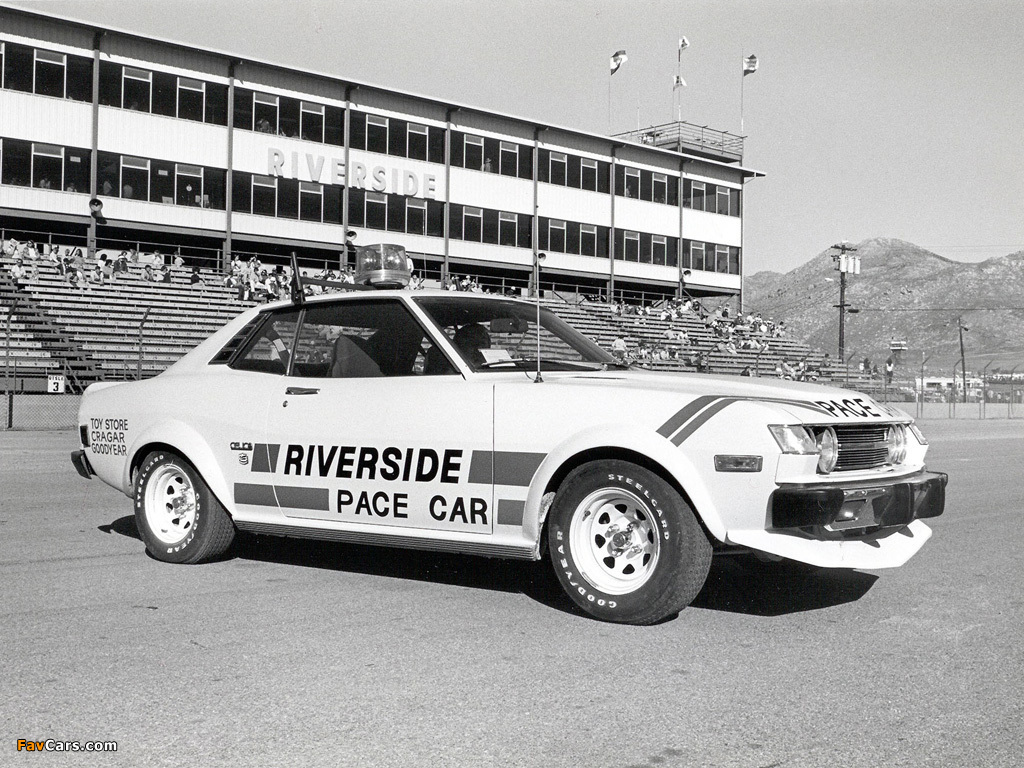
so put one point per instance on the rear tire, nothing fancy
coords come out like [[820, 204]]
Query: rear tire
[[625, 545], [179, 518]]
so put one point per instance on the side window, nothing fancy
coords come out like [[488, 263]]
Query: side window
[[365, 339], [270, 350]]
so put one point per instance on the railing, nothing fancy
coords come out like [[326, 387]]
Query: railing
[[681, 135]]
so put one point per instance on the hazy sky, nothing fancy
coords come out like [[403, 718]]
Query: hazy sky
[[886, 118]]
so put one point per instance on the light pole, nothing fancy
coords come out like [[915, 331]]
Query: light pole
[[536, 284], [963, 366], [924, 360], [844, 265]]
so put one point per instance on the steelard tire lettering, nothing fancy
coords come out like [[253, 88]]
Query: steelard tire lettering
[[177, 515], [625, 545]]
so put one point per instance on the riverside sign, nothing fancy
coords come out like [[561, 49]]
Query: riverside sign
[[376, 178]]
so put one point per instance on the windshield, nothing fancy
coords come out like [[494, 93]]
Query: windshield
[[494, 335]]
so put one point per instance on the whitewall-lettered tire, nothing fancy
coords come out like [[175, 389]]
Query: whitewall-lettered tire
[[178, 517], [625, 545]]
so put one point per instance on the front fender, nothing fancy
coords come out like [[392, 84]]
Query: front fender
[[625, 437], [188, 443]]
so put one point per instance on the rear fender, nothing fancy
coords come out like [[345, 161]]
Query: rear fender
[[187, 443]]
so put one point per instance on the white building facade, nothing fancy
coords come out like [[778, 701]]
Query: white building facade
[[213, 154]]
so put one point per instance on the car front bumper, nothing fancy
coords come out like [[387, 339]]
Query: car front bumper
[[81, 462], [856, 507]]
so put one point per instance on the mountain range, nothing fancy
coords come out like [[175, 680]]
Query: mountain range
[[903, 293]]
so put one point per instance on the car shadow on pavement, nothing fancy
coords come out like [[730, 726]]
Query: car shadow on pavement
[[745, 584], [533, 579], [124, 526]]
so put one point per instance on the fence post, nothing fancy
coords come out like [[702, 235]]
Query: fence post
[[138, 369], [7, 369]]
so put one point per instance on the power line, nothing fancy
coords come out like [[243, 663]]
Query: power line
[[941, 309]]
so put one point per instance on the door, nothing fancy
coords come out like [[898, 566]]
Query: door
[[374, 426]]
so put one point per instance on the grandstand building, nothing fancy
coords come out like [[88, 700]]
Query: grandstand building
[[210, 154]]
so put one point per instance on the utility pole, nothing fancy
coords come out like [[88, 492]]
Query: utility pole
[[845, 265], [963, 367]]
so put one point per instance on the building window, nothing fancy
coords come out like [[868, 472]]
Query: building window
[[264, 113], [632, 185], [47, 166], [631, 247], [722, 200], [697, 255], [17, 163], [264, 195], [722, 259], [416, 141], [556, 235], [508, 226], [376, 210], [76, 170], [137, 89], [588, 174], [377, 135], [188, 185], [509, 159], [415, 216], [134, 178], [311, 121], [697, 191], [558, 169], [191, 99], [111, 83], [659, 250], [474, 153], [2, 63], [50, 74], [311, 201], [588, 240], [659, 191], [472, 224]]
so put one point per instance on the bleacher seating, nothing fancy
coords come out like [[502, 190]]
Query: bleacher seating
[[90, 331]]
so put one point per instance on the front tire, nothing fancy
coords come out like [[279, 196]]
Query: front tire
[[179, 518], [625, 545]]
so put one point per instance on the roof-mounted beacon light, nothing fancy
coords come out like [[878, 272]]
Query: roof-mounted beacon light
[[383, 265]]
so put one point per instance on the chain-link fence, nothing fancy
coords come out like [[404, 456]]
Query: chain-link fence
[[39, 411]]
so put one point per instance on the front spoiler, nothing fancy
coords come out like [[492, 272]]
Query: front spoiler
[[866, 524], [78, 458]]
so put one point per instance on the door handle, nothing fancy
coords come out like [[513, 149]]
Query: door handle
[[302, 391]]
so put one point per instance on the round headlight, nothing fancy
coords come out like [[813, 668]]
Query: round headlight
[[896, 441], [828, 450]]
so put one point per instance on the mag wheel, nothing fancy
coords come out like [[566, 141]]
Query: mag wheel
[[625, 545], [178, 517]]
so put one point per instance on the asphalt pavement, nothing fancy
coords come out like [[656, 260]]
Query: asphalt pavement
[[294, 653]]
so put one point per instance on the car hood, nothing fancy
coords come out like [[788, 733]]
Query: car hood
[[739, 387]]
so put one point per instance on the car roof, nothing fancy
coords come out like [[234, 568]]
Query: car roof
[[394, 293]]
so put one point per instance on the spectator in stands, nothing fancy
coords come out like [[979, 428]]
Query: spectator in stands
[[98, 269], [619, 348], [195, 278], [17, 270], [178, 260], [120, 264], [148, 274]]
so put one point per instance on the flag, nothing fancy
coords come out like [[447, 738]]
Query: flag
[[750, 65], [683, 45], [678, 83], [618, 59]]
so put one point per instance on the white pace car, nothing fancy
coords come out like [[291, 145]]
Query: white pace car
[[457, 422]]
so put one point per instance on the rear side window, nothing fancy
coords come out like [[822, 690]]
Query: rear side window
[[224, 356], [270, 349]]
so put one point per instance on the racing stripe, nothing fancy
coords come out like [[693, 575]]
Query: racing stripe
[[685, 414], [504, 467], [510, 512], [264, 457], [255, 494], [702, 417], [298, 497]]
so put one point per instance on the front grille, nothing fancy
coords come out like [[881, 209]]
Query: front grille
[[861, 447]]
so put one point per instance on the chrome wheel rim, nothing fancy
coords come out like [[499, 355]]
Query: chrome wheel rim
[[614, 541], [170, 504]]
